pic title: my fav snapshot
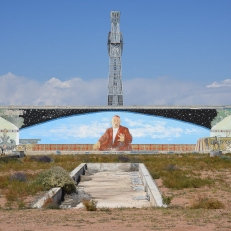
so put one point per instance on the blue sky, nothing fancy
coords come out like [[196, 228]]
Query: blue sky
[[54, 52], [87, 129]]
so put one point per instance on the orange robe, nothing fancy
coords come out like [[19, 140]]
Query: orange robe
[[106, 140]]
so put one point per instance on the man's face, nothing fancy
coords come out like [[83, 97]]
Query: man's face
[[115, 122]]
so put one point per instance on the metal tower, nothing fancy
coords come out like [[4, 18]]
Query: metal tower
[[115, 47]]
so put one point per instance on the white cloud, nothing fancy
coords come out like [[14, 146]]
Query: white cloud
[[224, 83], [53, 82], [17, 90], [167, 91]]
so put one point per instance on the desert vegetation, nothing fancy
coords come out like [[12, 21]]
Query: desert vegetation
[[196, 189], [29, 176]]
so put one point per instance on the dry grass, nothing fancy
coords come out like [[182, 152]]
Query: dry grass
[[204, 202], [90, 205]]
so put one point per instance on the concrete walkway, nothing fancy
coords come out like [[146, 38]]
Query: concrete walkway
[[115, 189]]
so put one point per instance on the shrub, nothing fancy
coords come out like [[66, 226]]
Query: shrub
[[19, 177], [171, 167], [225, 158], [178, 179], [43, 159], [105, 209], [167, 199], [90, 205], [56, 177], [203, 202], [123, 159], [135, 160], [21, 204], [154, 174]]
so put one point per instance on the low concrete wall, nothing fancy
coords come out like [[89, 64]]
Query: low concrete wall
[[150, 187], [149, 184], [78, 171], [89, 147], [54, 193], [57, 193], [35, 153], [112, 167]]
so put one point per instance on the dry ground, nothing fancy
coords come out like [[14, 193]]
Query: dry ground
[[116, 219], [178, 217]]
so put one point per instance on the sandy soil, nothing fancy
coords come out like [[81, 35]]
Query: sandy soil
[[116, 219], [178, 217]]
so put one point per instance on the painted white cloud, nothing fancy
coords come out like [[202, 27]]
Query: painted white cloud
[[157, 129], [133, 123], [72, 131], [154, 130], [17, 90], [224, 83]]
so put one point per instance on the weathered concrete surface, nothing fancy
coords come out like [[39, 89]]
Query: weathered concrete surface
[[112, 167], [54, 193], [150, 187], [78, 171], [215, 153], [116, 189], [112, 185]]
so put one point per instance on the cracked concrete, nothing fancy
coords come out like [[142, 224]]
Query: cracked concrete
[[115, 189]]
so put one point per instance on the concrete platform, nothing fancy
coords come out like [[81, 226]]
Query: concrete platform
[[115, 189], [113, 185]]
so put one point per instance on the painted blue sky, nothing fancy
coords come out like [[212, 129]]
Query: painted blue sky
[[87, 129], [175, 52]]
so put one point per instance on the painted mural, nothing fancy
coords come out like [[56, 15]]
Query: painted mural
[[117, 130], [220, 133], [10, 122], [13, 116], [214, 143], [221, 114], [134, 128]]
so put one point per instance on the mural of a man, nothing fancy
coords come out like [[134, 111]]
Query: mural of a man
[[115, 138]]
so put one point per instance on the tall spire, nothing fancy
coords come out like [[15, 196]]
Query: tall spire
[[115, 47]]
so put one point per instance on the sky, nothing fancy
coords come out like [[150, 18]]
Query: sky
[[55, 52], [87, 129]]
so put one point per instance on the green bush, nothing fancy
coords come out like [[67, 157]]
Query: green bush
[[56, 177], [167, 199]]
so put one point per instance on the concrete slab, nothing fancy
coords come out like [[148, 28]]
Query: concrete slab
[[116, 189], [112, 184]]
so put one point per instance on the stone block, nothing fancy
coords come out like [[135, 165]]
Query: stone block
[[215, 153]]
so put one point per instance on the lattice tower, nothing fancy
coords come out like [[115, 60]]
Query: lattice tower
[[115, 48]]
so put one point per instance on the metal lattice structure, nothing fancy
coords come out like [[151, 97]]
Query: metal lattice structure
[[115, 47]]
